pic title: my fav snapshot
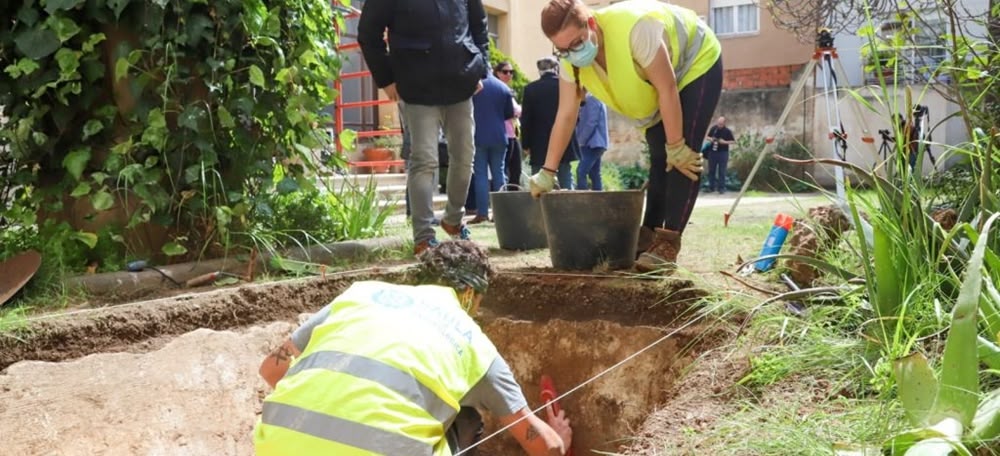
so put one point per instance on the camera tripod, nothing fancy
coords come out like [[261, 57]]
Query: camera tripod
[[823, 60]]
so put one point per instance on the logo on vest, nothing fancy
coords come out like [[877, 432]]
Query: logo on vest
[[444, 318]]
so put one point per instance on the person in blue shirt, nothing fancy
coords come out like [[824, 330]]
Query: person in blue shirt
[[592, 135], [492, 106]]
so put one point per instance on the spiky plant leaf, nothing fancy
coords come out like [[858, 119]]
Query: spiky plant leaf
[[958, 394], [989, 353], [986, 424], [937, 440], [917, 387], [887, 280]]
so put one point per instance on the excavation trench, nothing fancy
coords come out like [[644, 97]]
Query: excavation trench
[[178, 375]]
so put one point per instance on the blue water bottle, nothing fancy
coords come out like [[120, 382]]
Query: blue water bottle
[[775, 239]]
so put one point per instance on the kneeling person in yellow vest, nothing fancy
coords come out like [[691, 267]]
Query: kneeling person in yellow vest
[[399, 370]]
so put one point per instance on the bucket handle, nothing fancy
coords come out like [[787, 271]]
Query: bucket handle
[[504, 187]]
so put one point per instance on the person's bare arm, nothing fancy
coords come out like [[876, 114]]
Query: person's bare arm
[[276, 364], [661, 75], [562, 130], [535, 436]]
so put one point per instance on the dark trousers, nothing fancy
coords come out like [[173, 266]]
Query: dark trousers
[[466, 430], [671, 196], [513, 165], [717, 162]]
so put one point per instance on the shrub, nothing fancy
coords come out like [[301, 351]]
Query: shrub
[[773, 174], [181, 105]]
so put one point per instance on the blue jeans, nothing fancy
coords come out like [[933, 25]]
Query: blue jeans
[[589, 166], [492, 156], [564, 175], [717, 163]]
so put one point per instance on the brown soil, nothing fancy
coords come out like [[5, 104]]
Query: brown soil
[[184, 392], [821, 229], [946, 217], [541, 296], [699, 399], [615, 405]]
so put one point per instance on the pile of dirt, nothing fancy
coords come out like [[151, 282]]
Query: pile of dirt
[[821, 229]]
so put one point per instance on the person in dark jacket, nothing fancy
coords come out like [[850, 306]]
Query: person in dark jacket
[[721, 138], [494, 105], [433, 58], [538, 115]]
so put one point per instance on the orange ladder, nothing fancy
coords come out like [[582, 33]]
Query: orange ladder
[[340, 105]]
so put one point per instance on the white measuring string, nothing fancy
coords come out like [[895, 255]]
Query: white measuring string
[[587, 382]]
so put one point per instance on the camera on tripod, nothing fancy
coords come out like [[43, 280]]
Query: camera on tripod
[[824, 38], [886, 135]]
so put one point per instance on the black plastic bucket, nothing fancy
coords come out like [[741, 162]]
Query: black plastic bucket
[[517, 217], [586, 228]]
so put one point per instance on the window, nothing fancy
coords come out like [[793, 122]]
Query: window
[[493, 25], [730, 17], [919, 52]]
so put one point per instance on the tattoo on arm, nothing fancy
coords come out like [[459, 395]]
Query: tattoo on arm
[[282, 355], [531, 433]]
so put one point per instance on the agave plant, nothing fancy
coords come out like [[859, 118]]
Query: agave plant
[[947, 411]]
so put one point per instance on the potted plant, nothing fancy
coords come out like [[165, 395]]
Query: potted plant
[[382, 148]]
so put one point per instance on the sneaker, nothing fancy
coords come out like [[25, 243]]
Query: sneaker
[[479, 219], [421, 247], [662, 254], [457, 232]]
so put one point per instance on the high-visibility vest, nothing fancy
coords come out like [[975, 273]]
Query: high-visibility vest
[[383, 374], [692, 46]]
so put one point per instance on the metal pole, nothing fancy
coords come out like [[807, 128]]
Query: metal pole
[[807, 73], [830, 88]]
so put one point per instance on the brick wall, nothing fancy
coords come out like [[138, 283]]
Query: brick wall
[[761, 78]]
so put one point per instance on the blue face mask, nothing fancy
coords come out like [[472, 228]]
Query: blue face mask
[[585, 55]]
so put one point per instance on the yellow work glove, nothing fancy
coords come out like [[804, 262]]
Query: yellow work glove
[[687, 161], [541, 182]]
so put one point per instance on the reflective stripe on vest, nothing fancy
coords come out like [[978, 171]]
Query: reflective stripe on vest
[[390, 359], [381, 373], [692, 46], [335, 429]]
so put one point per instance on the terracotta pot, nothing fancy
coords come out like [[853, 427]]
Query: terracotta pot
[[377, 154]]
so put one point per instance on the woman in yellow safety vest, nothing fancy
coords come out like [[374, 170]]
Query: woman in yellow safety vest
[[653, 62]]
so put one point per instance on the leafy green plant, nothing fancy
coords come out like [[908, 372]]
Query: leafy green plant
[[630, 177], [774, 174], [183, 106], [361, 212], [946, 410]]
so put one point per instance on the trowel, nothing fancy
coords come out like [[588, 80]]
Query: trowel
[[548, 393], [16, 271]]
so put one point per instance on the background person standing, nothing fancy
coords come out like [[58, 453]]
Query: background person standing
[[504, 71], [592, 135], [435, 70], [721, 137], [494, 105], [538, 115]]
